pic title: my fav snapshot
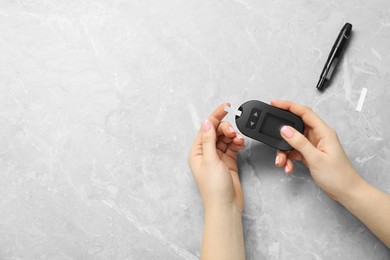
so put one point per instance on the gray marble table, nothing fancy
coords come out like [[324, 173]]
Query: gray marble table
[[100, 102]]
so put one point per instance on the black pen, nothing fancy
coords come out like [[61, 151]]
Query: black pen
[[334, 55]]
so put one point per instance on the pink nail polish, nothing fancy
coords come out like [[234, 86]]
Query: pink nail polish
[[287, 169], [206, 125], [287, 132], [231, 129], [240, 136], [277, 160]]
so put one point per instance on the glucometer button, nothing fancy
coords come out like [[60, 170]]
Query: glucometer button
[[251, 124], [255, 113], [253, 118]]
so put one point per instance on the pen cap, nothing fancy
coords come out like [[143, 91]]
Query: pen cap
[[342, 39], [347, 29]]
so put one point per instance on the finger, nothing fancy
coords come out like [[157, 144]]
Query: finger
[[300, 143], [226, 134], [217, 115], [230, 146], [289, 167], [226, 129], [209, 140], [281, 157], [233, 149], [239, 140], [295, 155], [310, 118], [221, 146], [223, 142]]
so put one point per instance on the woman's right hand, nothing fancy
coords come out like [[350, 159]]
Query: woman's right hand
[[319, 149]]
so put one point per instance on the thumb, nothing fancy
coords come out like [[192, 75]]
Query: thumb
[[299, 142], [209, 140]]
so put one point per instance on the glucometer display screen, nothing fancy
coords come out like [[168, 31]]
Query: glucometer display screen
[[272, 124]]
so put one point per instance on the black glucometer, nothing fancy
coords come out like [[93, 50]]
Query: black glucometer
[[263, 122]]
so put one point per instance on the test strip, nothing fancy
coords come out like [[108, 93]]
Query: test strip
[[361, 99], [232, 110]]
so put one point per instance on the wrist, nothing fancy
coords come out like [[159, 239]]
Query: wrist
[[356, 186], [226, 211], [223, 236]]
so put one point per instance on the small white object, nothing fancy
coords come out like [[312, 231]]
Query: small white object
[[232, 110], [361, 99]]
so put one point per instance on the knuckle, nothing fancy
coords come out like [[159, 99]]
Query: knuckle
[[301, 142], [332, 132], [307, 108], [206, 139], [224, 125]]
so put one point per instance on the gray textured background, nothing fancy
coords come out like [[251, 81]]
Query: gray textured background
[[100, 102]]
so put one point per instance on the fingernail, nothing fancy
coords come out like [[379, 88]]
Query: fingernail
[[287, 132], [231, 129], [287, 169], [206, 125], [240, 136], [277, 160]]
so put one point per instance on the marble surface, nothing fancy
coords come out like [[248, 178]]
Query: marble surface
[[100, 102]]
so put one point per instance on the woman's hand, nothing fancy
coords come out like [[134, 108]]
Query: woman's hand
[[213, 160], [319, 149]]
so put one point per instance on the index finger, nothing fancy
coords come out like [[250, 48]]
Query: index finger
[[310, 118], [216, 116]]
